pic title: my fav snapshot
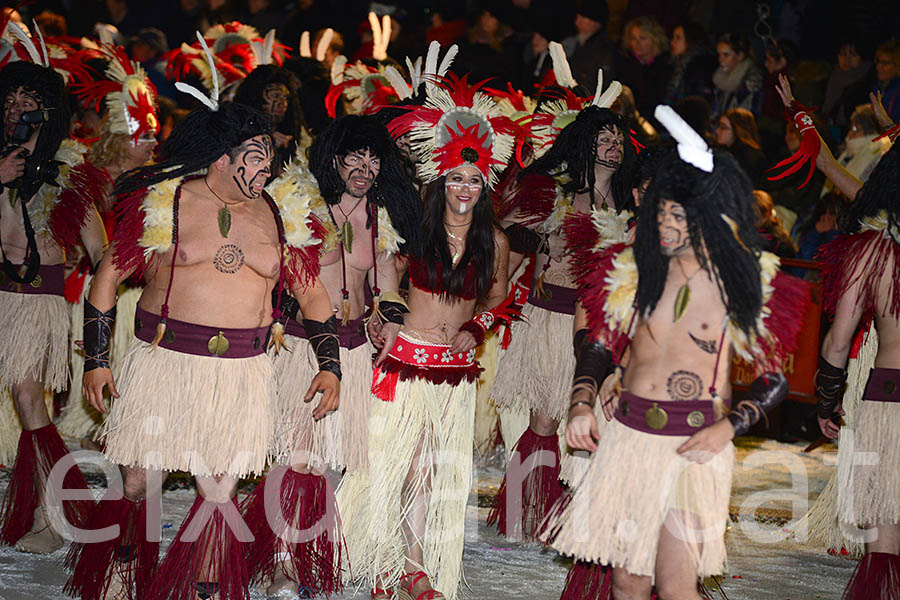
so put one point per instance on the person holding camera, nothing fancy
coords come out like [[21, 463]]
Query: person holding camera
[[45, 210]]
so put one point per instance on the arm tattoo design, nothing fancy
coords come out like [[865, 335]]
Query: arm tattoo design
[[684, 385], [229, 259], [708, 346]]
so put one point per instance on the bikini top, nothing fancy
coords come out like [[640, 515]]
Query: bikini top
[[418, 277]]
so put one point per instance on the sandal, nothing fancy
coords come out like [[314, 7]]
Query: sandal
[[406, 594]]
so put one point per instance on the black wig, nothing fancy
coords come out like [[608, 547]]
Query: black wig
[[575, 150], [250, 92], [435, 250], [51, 88], [197, 142], [730, 257], [314, 82], [392, 188], [881, 192]]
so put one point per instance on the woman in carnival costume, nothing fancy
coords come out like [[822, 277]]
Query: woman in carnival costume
[[405, 518]]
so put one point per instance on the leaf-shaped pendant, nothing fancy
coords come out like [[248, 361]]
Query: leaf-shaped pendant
[[224, 221], [681, 301], [347, 236]]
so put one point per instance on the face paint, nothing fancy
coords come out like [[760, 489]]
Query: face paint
[[609, 148], [18, 101], [275, 100], [674, 237], [462, 188], [253, 165], [358, 171]]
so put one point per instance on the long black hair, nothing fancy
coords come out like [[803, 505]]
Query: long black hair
[[731, 258], [881, 192], [575, 151], [315, 82], [392, 188], [199, 141], [435, 254], [51, 88], [251, 91]]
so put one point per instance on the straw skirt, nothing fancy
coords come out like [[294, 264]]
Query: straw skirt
[[35, 339]]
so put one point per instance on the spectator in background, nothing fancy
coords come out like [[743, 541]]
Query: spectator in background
[[887, 74], [260, 14], [736, 132], [52, 24], [775, 237], [695, 110], [625, 106], [147, 47], [335, 48], [590, 48], [861, 151], [821, 227], [538, 64], [846, 86], [693, 64], [780, 56], [447, 26], [738, 81], [485, 53], [645, 66]]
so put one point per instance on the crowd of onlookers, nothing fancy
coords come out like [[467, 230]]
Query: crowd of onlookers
[[715, 61]]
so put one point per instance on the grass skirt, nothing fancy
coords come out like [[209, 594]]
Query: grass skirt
[[35, 339], [535, 373], [338, 440], [487, 423], [635, 484], [78, 417], [205, 415], [438, 420]]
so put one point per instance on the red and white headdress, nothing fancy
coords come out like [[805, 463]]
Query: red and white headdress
[[17, 44], [458, 125], [129, 94], [553, 117], [237, 49], [366, 88]]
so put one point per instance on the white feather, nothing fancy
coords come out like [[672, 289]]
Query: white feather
[[606, 99], [191, 90], [448, 60], [337, 69], [376, 35], [304, 45], [413, 76], [561, 68], [399, 84], [43, 45], [26, 41], [268, 46], [106, 34], [385, 37], [431, 58], [692, 148], [324, 42]]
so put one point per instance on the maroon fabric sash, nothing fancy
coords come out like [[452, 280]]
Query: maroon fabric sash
[[556, 299], [202, 340], [883, 385], [50, 281], [664, 418], [352, 335]]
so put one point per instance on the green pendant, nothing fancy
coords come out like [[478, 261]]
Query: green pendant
[[347, 236], [681, 301], [13, 194], [224, 221]]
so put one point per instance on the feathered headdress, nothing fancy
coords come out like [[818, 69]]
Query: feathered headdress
[[17, 44], [458, 124], [552, 117], [129, 94], [237, 49], [367, 89], [692, 148]]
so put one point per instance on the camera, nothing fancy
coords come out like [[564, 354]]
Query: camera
[[36, 171]]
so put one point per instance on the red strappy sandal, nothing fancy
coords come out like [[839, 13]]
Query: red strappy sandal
[[405, 593]]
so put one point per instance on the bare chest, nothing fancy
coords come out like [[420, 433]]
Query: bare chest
[[357, 242]]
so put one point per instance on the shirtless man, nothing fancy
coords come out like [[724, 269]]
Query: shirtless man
[[38, 223], [360, 192], [654, 501], [197, 391], [585, 171], [421, 424]]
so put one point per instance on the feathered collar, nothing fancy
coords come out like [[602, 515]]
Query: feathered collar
[[880, 223], [41, 205]]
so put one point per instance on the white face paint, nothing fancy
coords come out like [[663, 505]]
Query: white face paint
[[463, 188]]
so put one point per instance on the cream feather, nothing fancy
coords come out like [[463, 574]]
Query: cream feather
[[692, 148], [324, 42], [561, 66]]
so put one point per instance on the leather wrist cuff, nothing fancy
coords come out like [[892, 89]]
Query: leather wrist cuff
[[325, 342], [392, 311], [290, 308], [766, 392], [98, 328], [830, 382], [522, 239], [592, 360]]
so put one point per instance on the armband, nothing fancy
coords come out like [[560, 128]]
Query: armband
[[766, 392], [98, 327], [830, 382], [325, 343]]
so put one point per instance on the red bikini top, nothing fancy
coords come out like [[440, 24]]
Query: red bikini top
[[418, 277]]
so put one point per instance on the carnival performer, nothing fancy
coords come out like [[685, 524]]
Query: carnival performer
[[694, 288], [126, 139], [197, 391], [586, 168], [358, 188], [404, 518], [45, 209], [860, 275]]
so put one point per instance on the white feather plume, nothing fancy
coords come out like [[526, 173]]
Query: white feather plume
[[43, 45], [337, 69], [431, 58], [398, 83], [264, 56], [304, 45], [211, 102], [561, 68], [105, 33], [324, 42], [448, 60], [692, 148], [26, 42], [606, 99]]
